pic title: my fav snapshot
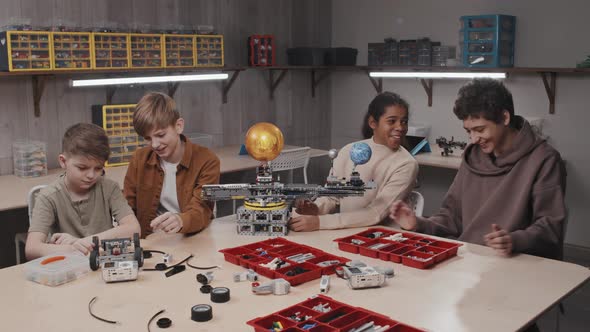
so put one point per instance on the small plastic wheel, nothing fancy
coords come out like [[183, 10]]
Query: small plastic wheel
[[138, 256], [136, 240], [94, 260]]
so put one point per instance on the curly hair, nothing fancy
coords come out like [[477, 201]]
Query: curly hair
[[487, 98], [377, 109]]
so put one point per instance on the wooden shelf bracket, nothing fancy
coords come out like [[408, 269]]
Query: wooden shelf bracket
[[550, 85], [172, 87], [377, 83], [227, 86], [315, 82], [38, 88], [272, 83], [427, 84]]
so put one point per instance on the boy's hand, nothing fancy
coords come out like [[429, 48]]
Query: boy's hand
[[403, 215], [63, 238], [84, 245], [500, 240], [307, 207], [304, 223], [168, 222]]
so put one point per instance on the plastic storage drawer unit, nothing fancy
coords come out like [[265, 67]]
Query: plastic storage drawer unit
[[488, 40]]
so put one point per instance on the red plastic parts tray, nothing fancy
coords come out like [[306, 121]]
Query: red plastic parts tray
[[316, 264], [417, 251], [323, 314]]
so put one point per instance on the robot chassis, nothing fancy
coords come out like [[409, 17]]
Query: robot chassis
[[267, 204]]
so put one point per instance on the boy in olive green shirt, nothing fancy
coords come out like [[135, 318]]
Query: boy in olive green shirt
[[81, 203]]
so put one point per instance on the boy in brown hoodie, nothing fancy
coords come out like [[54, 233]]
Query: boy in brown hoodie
[[509, 191]]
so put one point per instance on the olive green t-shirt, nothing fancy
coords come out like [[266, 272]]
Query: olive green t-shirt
[[55, 212]]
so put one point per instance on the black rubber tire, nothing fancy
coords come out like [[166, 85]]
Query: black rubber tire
[[94, 260], [136, 240], [139, 256]]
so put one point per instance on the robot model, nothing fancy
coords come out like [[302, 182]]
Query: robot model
[[267, 203], [448, 146]]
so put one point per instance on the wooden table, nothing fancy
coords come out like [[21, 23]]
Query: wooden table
[[14, 190], [475, 291], [435, 159]]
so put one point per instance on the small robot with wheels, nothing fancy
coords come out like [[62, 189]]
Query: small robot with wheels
[[120, 259], [448, 146]]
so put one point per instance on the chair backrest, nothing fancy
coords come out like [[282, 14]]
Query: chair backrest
[[416, 202], [291, 159], [31, 198]]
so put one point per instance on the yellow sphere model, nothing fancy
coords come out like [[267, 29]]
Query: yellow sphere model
[[264, 141]]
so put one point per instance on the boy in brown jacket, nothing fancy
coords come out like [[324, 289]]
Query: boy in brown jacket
[[509, 191], [164, 180]]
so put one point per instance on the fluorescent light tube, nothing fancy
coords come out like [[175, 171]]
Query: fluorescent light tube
[[148, 79], [404, 74]]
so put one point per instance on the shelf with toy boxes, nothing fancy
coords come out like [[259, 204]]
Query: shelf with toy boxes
[[410, 249], [111, 50], [321, 313], [25, 51], [72, 50], [29, 158], [179, 51], [383, 54], [488, 40], [210, 51], [117, 121], [261, 50], [146, 50], [280, 258]]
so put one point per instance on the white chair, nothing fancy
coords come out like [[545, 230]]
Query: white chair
[[22, 237], [292, 159], [416, 201]]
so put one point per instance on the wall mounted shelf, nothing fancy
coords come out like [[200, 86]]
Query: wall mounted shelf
[[276, 74]]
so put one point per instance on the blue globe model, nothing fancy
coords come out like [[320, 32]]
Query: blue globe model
[[360, 153]]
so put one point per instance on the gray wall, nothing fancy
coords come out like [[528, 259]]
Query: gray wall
[[304, 120], [548, 34]]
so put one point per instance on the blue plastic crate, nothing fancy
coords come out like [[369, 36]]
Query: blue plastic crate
[[488, 40]]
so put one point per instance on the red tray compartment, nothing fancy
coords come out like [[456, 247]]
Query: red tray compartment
[[234, 255], [327, 257], [396, 255], [265, 324], [340, 318], [349, 319], [378, 320], [368, 232], [313, 272], [318, 327], [323, 300], [385, 252], [344, 243], [303, 311], [335, 314], [428, 262], [451, 247], [439, 254]]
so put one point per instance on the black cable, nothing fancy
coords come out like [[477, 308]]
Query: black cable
[[95, 316], [156, 251], [171, 266], [201, 267], [153, 317]]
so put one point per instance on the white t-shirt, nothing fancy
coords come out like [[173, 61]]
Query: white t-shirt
[[168, 197]]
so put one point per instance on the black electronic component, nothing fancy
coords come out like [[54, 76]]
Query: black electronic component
[[176, 269], [201, 313], [164, 322], [95, 316], [206, 289], [220, 294]]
